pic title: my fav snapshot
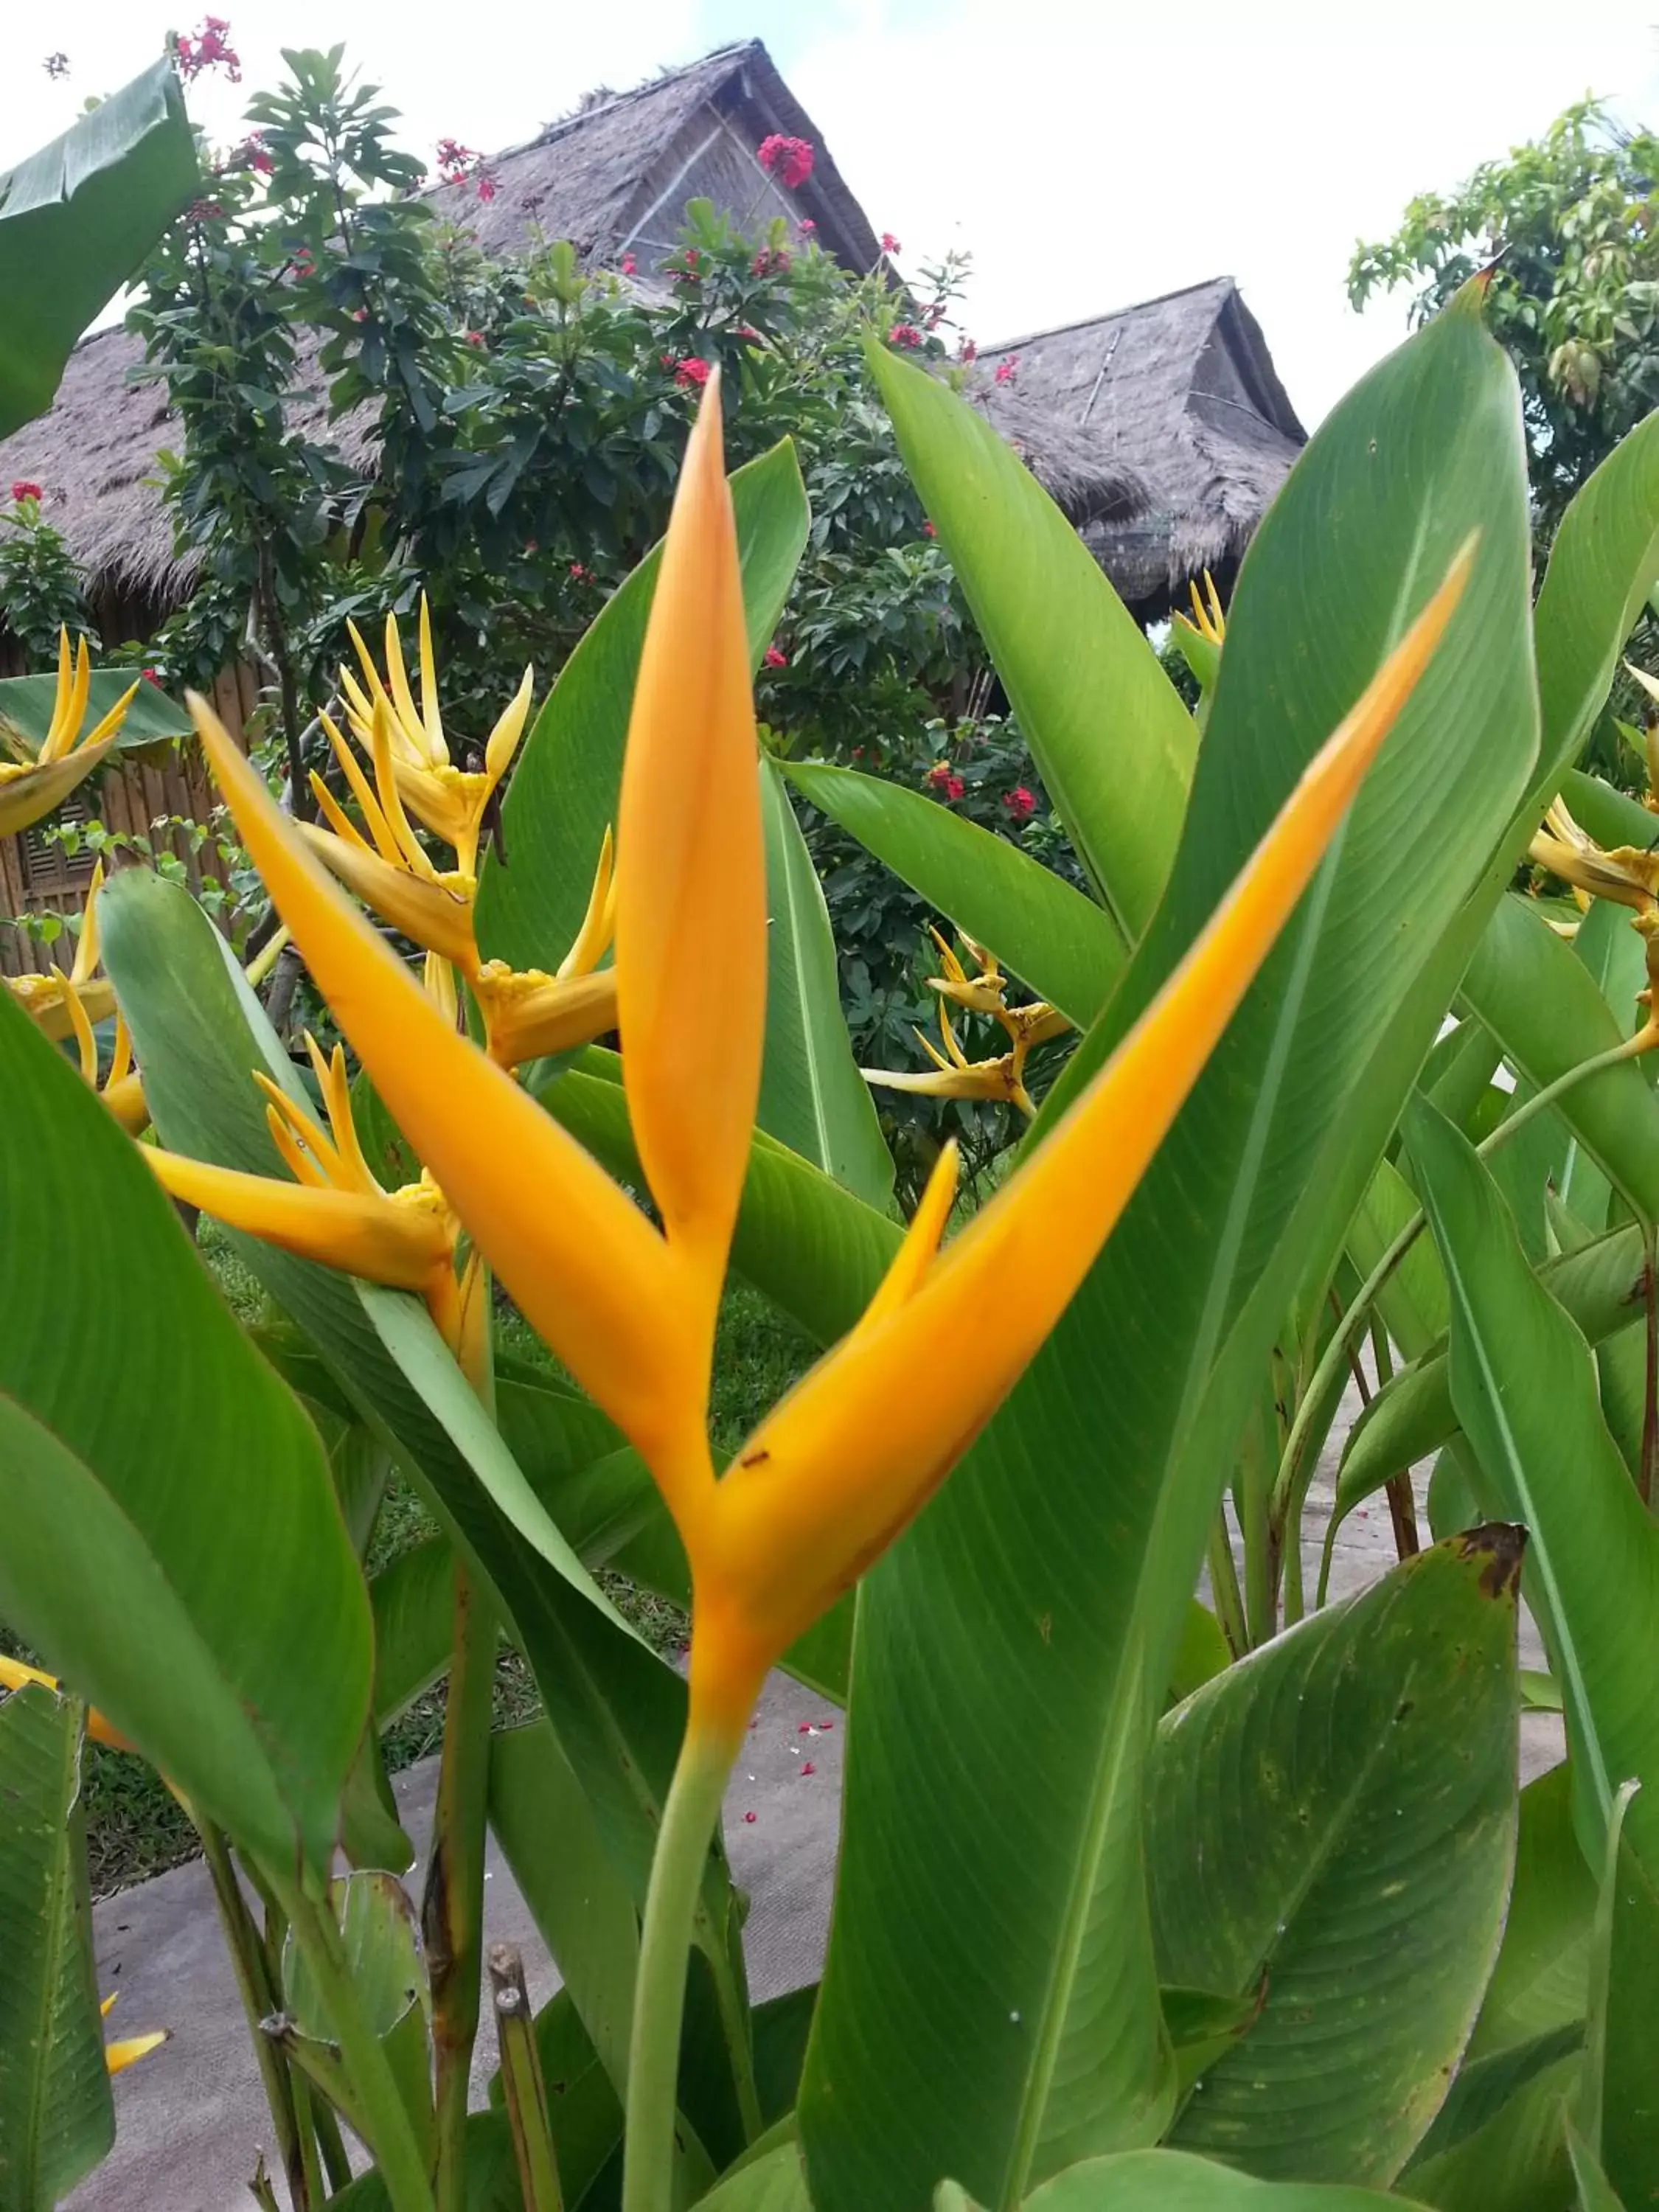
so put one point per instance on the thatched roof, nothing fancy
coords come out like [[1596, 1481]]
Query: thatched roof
[[613, 177], [1183, 390]]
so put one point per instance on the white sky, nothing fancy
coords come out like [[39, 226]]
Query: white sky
[[1087, 155]]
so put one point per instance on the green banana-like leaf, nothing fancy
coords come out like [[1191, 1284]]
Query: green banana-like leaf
[[1025, 1625], [57, 2120], [1171, 2181], [241, 1666], [1618, 2103], [1344, 1794], [1612, 816], [1412, 1302], [1601, 1288], [77, 219], [1612, 954], [1107, 729], [151, 719], [1499, 2144], [812, 1097], [1541, 1004], [414, 1600], [1595, 2192], [563, 794], [1524, 1388], [775, 2183], [379, 1939], [1540, 1984], [578, 1899], [1059, 943]]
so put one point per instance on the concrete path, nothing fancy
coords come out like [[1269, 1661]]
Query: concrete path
[[192, 2120]]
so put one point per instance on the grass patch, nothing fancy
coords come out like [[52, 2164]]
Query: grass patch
[[134, 1827]]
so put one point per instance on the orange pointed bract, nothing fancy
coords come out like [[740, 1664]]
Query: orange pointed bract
[[691, 881], [582, 1263]]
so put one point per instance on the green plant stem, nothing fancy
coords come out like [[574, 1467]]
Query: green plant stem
[[1224, 1586], [452, 1910], [1306, 1434], [395, 2150], [1253, 1494], [523, 2090], [259, 2000], [336, 2165], [654, 2058]]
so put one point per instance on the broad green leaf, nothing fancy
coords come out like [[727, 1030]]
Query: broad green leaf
[[1170, 2181], [172, 1543], [563, 794], [1603, 563], [55, 2118], [1524, 1387], [1600, 1288], [26, 703], [1499, 2144], [380, 1940], [1612, 816], [1539, 1984], [1344, 1795], [1595, 2192], [1412, 1302], [77, 219], [577, 1897], [812, 1097], [775, 2183], [414, 1600], [1617, 2104], [1055, 940], [1107, 729], [1542, 1006], [1613, 953], [1025, 1626]]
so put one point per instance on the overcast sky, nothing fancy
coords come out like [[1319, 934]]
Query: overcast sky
[[1086, 155]]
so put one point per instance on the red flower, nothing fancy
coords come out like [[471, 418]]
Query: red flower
[[946, 785], [628, 264], [770, 261], [1020, 803], [150, 677], [360, 315], [303, 263], [928, 530], [789, 160], [486, 186], [23, 489], [748, 333], [1004, 371], [209, 49], [904, 334], [691, 373], [969, 350], [807, 226], [749, 1819], [473, 338], [579, 574], [889, 243], [775, 659], [806, 1728], [807, 1767]]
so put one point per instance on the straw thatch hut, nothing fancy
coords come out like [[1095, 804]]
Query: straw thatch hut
[[1162, 431], [1181, 389]]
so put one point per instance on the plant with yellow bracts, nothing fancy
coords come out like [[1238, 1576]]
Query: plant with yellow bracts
[[34, 785], [976, 1521]]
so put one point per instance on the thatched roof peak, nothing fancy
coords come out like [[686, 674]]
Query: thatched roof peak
[[1184, 387]]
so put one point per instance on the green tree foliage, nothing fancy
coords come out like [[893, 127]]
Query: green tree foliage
[[1570, 222]]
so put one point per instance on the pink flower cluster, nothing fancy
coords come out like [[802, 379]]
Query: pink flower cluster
[[459, 165], [770, 261], [789, 160], [904, 334], [1006, 370], [23, 489], [209, 48], [1020, 803], [889, 243], [776, 657], [628, 264], [944, 784], [251, 153], [691, 373]]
